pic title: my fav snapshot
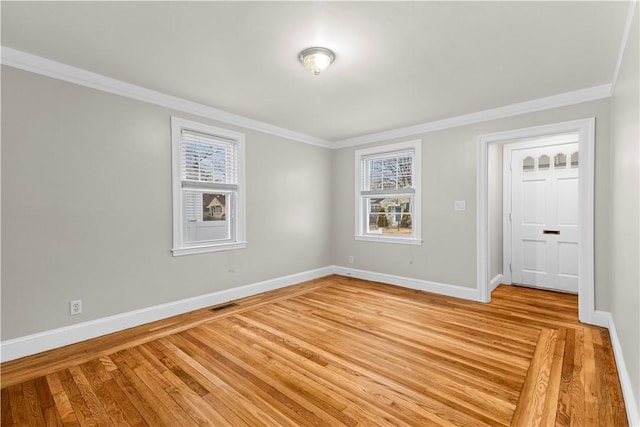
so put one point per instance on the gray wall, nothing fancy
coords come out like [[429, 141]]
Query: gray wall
[[86, 207], [625, 214], [448, 254]]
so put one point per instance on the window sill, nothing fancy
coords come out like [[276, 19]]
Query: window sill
[[209, 248], [385, 239]]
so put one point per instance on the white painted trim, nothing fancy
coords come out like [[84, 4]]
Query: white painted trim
[[586, 131], [601, 318], [506, 216], [625, 380], [407, 282], [416, 237], [555, 101], [46, 67], [238, 204], [387, 239], [623, 44], [495, 282], [483, 248], [47, 340]]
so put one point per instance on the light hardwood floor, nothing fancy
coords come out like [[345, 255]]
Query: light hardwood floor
[[330, 352]]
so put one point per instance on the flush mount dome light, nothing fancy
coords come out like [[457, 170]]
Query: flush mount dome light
[[316, 59]]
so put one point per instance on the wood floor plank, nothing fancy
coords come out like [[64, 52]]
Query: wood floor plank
[[351, 374], [234, 406], [63, 405], [19, 412], [388, 362], [530, 408], [334, 351], [590, 380], [578, 401], [151, 408], [153, 378], [263, 401], [5, 412], [98, 379], [143, 407], [563, 413], [609, 390], [32, 403]]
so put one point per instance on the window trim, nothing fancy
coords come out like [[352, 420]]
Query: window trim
[[362, 195], [238, 211]]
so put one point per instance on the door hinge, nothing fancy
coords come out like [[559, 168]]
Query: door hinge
[[510, 217], [510, 269]]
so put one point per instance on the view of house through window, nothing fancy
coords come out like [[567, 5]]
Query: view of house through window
[[208, 164], [391, 215], [388, 201], [213, 207]]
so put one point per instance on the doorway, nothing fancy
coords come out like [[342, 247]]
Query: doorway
[[585, 131], [541, 230]]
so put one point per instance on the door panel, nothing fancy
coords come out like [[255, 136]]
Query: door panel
[[568, 259], [533, 201], [533, 256], [567, 201], [544, 220]]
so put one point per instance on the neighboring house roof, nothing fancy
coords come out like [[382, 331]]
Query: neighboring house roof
[[213, 200]]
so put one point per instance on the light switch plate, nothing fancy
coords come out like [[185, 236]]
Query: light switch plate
[[459, 205]]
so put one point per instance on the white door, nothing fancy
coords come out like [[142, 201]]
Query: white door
[[544, 217]]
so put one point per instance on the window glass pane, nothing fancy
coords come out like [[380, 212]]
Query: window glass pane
[[528, 164], [214, 207], [389, 168], [544, 162], [560, 161], [387, 173], [206, 159], [206, 217], [390, 215], [375, 175], [405, 172], [574, 160]]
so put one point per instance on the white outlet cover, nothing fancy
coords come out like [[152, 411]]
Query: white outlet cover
[[75, 307], [459, 205]]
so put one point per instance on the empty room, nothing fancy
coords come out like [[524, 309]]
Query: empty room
[[320, 213]]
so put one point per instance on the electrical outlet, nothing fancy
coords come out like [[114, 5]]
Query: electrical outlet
[[75, 307], [350, 259]]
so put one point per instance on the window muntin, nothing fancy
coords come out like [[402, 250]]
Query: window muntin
[[208, 192], [387, 196]]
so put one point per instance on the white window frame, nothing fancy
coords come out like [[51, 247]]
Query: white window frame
[[361, 196], [237, 208]]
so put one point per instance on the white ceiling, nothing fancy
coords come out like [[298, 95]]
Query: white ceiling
[[397, 63]]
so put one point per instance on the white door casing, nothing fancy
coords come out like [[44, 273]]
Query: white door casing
[[585, 128], [544, 220]]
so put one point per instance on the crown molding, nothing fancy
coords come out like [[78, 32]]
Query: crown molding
[[46, 67], [623, 43], [549, 102]]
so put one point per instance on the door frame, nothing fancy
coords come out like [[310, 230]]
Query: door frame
[[586, 140], [507, 150]]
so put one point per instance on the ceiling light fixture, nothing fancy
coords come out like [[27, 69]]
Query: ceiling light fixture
[[316, 59]]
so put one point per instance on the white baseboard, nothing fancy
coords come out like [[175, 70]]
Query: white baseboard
[[47, 340], [495, 282], [422, 285], [600, 318], [623, 374]]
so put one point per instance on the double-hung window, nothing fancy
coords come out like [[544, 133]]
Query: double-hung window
[[208, 188], [388, 193]]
